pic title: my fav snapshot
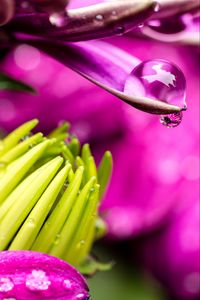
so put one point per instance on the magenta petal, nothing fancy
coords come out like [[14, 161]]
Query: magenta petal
[[32, 275]]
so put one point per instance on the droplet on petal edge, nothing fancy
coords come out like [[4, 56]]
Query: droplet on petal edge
[[119, 30], [34, 274], [162, 80], [99, 18], [58, 19], [157, 7], [172, 120]]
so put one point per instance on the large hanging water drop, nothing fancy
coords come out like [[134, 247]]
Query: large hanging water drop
[[161, 80]]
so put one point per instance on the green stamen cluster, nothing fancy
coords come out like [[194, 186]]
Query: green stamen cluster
[[49, 193]]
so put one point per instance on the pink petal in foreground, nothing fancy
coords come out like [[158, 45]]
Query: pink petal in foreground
[[33, 275]]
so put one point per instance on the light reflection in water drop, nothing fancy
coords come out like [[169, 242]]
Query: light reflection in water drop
[[99, 18], [6, 284], [37, 281], [58, 19]]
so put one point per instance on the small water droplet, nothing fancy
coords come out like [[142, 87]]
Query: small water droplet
[[162, 80], [58, 19], [37, 281], [66, 184], [6, 284], [57, 239], [25, 138], [157, 7], [68, 284], [31, 146], [31, 222], [99, 17], [171, 120], [119, 30], [80, 296], [114, 13], [141, 25], [80, 244]]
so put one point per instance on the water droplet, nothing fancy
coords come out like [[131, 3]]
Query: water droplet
[[6, 284], [141, 25], [99, 17], [80, 296], [58, 19], [66, 184], [114, 13], [80, 244], [57, 239], [37, 281], [162, 80], [171, 120], [157, 7], [31, 146], [31, 222], [25, 138], [119, 30], [68, 284]]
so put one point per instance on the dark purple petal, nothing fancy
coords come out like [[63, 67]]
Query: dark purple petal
[[92, 22], [92, 61], [33, 275]]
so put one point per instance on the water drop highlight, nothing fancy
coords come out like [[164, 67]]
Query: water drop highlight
[[37, 281], [119, 30], [99, 17], [68, 284], [6, 284], [58, 19]]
